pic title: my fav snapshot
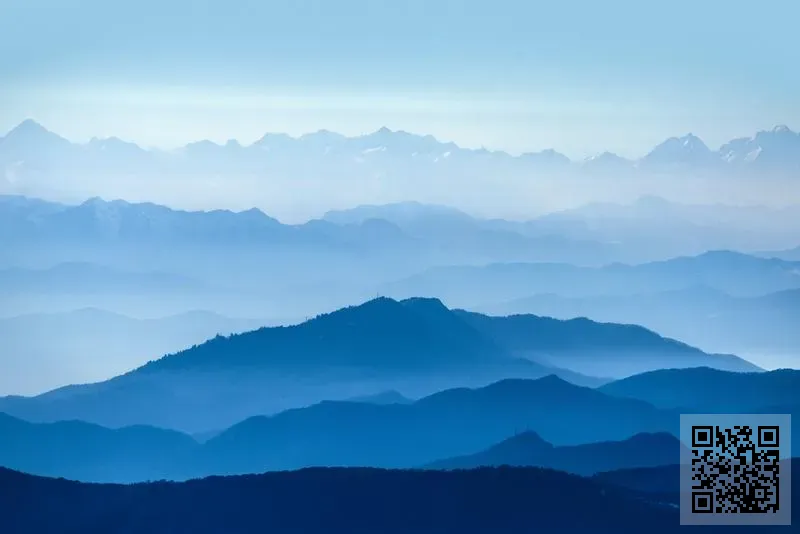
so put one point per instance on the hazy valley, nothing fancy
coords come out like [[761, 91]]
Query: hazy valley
[[211, 348]]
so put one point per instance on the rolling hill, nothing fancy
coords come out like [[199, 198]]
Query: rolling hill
[[83, 451], [450, 423], [447, 424]]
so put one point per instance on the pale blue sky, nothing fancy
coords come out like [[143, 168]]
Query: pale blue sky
[[577, 76]]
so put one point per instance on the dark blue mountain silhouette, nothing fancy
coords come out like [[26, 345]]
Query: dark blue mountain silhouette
[[387, 334], [381, 334], [450, 423], [416, 346], [325, 501], [528, 449], [336, 501], [83, 451], [711, 390]]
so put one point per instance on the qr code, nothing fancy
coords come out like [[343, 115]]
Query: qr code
[[736, 470]]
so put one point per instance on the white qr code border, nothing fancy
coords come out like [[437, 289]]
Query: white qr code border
[[702, 495]]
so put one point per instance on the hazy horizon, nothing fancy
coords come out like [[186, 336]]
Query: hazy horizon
[[514, 75], [297, 134], [255, 253], [491, 186]]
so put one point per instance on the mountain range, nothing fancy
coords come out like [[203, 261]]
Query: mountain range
[[110, 254], [31, 145], [546, 422], [737, 274], [344, 433], [132, 259], [415, 346], [387, 240], [256, 247]]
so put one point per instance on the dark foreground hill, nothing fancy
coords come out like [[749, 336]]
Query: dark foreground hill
[[663, 481], [337, 501]]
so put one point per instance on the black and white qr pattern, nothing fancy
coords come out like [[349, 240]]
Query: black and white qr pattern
[[735, 470]]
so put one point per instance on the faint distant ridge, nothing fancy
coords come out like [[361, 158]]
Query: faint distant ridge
[[401, 213], [776, 149], [528, 449], [733, 273], [407, 230]]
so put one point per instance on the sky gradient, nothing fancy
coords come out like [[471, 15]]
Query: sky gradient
[[578, 76]]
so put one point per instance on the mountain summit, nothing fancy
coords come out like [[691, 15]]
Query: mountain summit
[[381, 333]]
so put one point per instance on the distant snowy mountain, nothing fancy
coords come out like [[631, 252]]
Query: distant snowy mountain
[[778, 148], [688, 150], [32, 146], [607, 161]]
